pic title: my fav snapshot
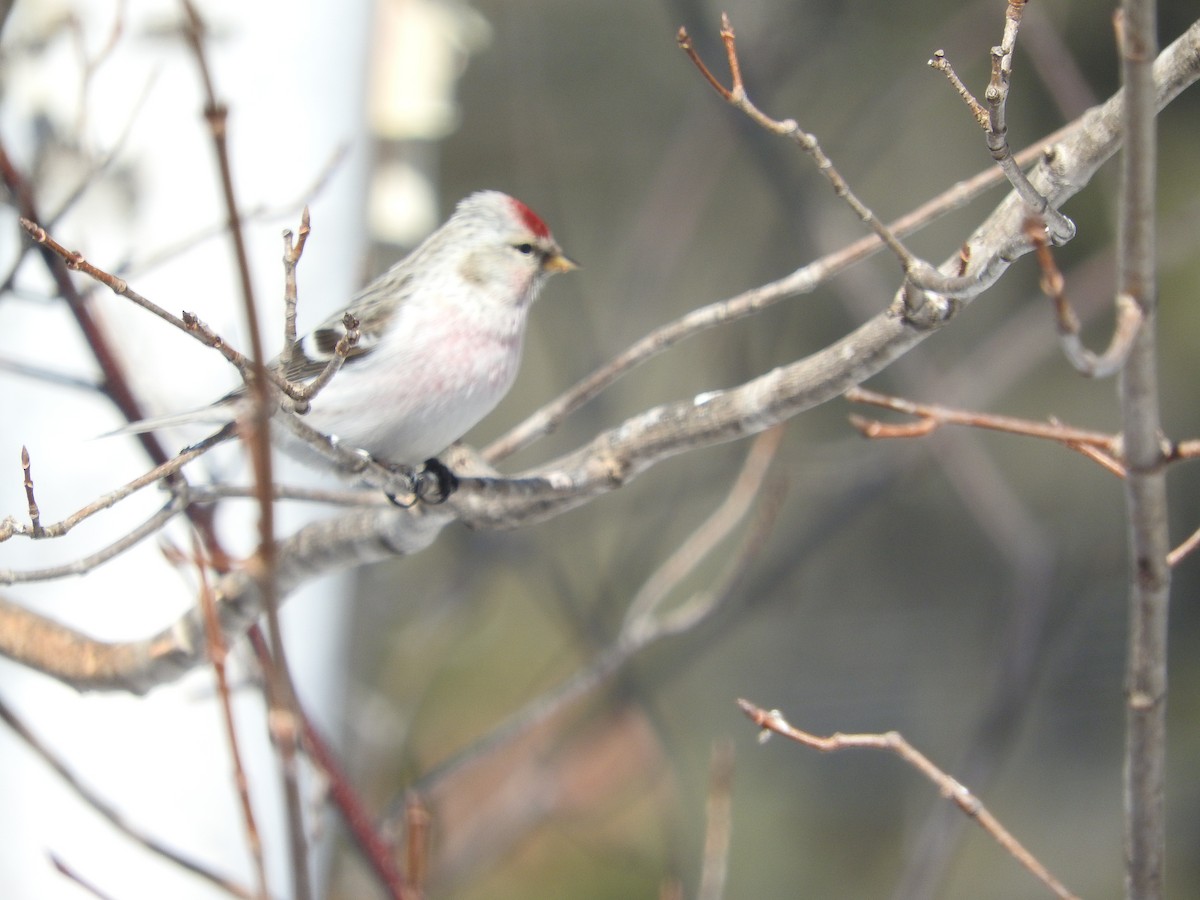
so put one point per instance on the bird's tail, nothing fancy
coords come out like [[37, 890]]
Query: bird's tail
[[205, 415]]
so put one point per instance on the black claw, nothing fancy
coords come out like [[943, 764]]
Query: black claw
[[433, 483], [444, 482]]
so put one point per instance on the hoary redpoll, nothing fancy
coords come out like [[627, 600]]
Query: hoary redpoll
[[440, 337]]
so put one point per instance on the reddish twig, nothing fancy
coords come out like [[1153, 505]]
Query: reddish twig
[[1184, 550], [1129, 314], [416, 843], [189, 323], [378, 853], [281, 694], [35, 515], [217, 652], [1094, 444], [940, 63], [773, 722]]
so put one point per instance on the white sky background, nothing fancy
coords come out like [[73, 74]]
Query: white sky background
[[293, 75]]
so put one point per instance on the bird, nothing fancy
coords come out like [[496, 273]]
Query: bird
[[440, 340]]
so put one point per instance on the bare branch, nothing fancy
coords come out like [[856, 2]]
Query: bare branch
[[1145, 486], [942, 64], [1068, 159], [644, 624], [621, 453], [736, 96], [376, 850], [992, 118], [773, 722], [1129, 315], [719, 823], [35, 516], [154, 524], [111, 812], [939, 415], [166, 471], [217, 653], [292, 251], [255, 430]]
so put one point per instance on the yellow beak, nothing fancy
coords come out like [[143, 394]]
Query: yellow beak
[[557, 261]]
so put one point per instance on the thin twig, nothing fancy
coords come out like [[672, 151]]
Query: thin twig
[[217, 653], [188, 322], [1129, 314], [376, 850], [35, 515], [293, 249], [941, 63], [210, 493], [718, 823], [644, 619], [70, 874], [76, 262], [1146, 484], [933, 415], [1184, 550], [416, 843], [803, 281], [992, 118], [281, 694], [644, 624], [736, 96], [90, 65], [773, 722], [110, 812], [167, 470], [304, 393], [176, 505]]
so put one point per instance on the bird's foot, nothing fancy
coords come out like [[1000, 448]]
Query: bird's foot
[[432, 483]]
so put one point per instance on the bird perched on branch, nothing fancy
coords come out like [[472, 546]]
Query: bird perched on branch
[[440, 338]]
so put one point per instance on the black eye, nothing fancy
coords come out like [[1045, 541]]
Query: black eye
[[524, 249]]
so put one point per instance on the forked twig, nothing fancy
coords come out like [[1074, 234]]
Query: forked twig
[[773, 722], [1103, 449], [992, 117], [736, 96], [802, 281], [189, 323], [293, 249], [930, 417], [10, 528], [176, 505]]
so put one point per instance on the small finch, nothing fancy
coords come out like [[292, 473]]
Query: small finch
[[440, 337]]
